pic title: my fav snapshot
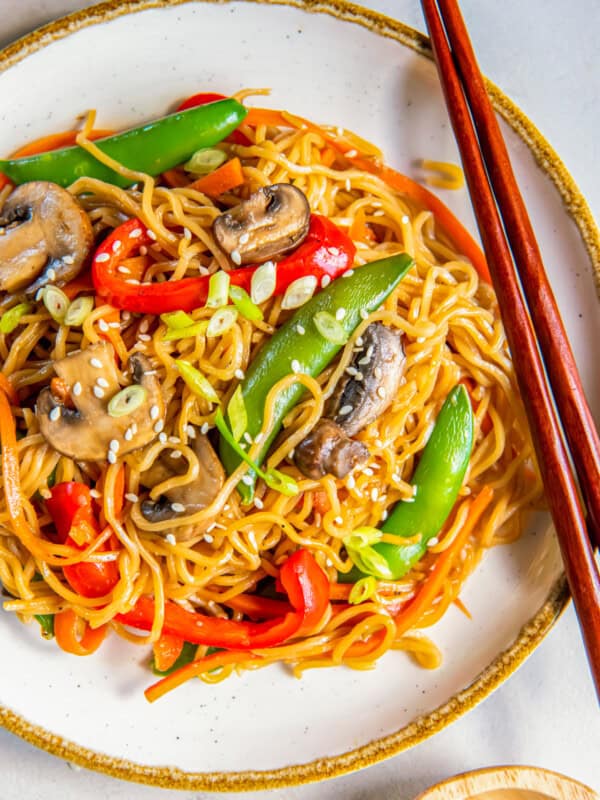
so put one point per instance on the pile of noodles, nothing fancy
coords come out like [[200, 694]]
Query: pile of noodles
[[452, 332]]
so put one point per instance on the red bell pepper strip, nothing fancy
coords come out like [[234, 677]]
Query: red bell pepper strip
[[325, 251], [70, 508], [307, 588]]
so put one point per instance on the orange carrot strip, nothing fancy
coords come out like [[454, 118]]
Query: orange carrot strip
[[167, 649], [197, 668], [359, 649], [82, 283], [66, 626], [340, 591], [175, 178], [226, 177], [7, 387], [10, 474], [432, 585], [460, 605]]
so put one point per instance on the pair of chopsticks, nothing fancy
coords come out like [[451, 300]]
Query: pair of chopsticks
[[545, 367]]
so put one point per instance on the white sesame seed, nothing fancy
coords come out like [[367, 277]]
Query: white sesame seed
[[325, 281], [340, 314], [348, 185], [187, 234], [114, 445], [344, 410], [101, 258], [258, 503], [379, 443], [244, 238], [135, 233], [295, 366], [133, 427], [339, 131], [95, 494], [240, 374], [128, 435], [300, 329], [378, 373], [374, 494], [247, 437], [414, 490], [133, 498], [174, 440], [98, 392], [247, 479], [144, 337], [348, 273], [176, 454], [364, 314], [339, 521], [152, 235], [144, 325], [76, 390], [352, 371], [68, 259], [205, 428], [51, 273], [116, 246], [379, 213], [360, 341], [179, 508], [208, 538], [191, 431], [170, 539], [351, 153], [359, 377], [405, 220], [384, 515], [351, 482], [158, 426], [95, 362], [333, 250], [114, 324], [368, 471], [162, 438], [236, 257], [259, 437], [381, 392], [102, 324], [433, 541], [154, 412], [124, 270], [112, 457], [102, 382], [364, 360], [55, 413]]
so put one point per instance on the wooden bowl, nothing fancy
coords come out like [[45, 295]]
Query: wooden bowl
[[510, 783]]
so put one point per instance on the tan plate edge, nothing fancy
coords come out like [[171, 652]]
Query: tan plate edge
[[530, 635], [495, 779]]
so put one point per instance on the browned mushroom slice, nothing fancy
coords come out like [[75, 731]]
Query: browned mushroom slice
[[270, 222], [89, 432], [46, 238], [189, 498], [367, 389], [328, 450]]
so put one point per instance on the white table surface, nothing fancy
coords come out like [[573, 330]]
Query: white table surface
[[545, 54]]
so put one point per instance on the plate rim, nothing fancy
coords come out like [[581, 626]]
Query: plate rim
[[530, 635]]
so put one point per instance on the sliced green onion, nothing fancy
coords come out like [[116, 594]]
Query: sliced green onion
[[263, 282], [299, 292], [197, 329], [56, 301], [127, 400], [196, 381], [281, 482], [363, 555], [273, 478], [238, 417], [363, 590], [11, 318], [79, 310], [205, 160], [177, 319], [244, 304], [221, 321], [218, 289], [329, 327]]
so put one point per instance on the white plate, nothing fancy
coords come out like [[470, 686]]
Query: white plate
[[361, 71]]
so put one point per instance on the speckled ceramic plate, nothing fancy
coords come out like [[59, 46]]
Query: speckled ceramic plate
[[332, 62]]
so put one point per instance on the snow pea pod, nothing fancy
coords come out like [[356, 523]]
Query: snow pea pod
[[151, 148], [288, 350]]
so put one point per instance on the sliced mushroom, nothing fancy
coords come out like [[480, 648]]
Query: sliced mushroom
[[363, 394], [189, 498], [271, 221], [46, 237], [88, 432]]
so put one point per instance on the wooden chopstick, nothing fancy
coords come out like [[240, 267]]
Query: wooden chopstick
[[560, 485], [569, 396]]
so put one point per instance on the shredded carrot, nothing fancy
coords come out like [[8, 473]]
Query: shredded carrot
[[226, 177], [340, 591], [167, 649], [175, 178], [60, 390], [328, 156], [7, 387], [82, 283], [258, 607], [430, 588], [460, 605], [360, 649], [137, 267], [400, 183], [47, 143], [360, 231], [67, 626], [196, 668], [10, 471]]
